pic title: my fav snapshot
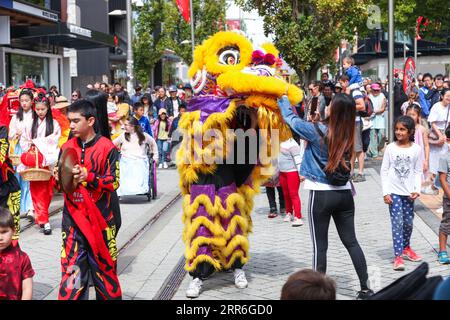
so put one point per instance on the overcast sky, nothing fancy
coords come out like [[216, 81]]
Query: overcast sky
[[253, 22]]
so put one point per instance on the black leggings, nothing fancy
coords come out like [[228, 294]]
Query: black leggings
[[270, 191], [340, 205]]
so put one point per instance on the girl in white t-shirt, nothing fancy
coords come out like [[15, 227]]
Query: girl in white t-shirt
[[401, 177]]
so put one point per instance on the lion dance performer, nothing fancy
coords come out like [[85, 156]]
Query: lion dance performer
[[235, 93], [9, 186]]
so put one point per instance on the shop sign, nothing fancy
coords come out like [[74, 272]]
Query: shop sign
[[80, 31], [19, 6]]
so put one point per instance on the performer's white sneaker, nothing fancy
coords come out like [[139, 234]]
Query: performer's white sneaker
[[166, 165], [239, 279], [194, 288], [160, 166], [288, 217]]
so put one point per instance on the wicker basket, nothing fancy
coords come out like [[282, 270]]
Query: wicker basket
[[15, 159], [36, 174]]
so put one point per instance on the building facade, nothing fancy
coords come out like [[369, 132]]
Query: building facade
[[54, 42]]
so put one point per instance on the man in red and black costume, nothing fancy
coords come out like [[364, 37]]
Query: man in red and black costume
[[88, 226]]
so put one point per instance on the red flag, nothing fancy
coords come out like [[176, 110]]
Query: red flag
[[420, 22], [183, 6]]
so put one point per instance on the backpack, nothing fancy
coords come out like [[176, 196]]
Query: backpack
[[413, 286]]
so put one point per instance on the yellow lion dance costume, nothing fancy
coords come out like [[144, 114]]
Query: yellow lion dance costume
[[235, 95]]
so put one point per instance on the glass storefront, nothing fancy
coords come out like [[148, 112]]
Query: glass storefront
[[20, 68], [41, 3]]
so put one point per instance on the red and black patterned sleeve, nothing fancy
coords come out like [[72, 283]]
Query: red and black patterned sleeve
[[26, 267], [110, 180], [4, 144]]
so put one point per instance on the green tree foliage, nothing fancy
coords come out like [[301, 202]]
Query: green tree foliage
[[407, 11], [307, 32], [159, 26]]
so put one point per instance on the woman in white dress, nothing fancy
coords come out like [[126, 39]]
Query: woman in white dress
[[134, 164], [439, 118]]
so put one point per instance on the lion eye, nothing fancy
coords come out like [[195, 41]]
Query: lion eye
[[229, 57]]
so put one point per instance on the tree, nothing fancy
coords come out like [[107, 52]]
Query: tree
[[407, 11], [160, 26], [307, 32]]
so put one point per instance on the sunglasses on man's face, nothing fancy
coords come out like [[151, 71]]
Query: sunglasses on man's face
[[74, 96]]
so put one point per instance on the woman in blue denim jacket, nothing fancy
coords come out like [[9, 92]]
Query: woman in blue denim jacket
[[326, 200]]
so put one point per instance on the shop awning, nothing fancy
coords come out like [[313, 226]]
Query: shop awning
[[64, 35]]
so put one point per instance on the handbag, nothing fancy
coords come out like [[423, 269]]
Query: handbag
[[432, 134], [340, 176]]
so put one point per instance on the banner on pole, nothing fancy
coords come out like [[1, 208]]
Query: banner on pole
[[183, 6], [408, 74]]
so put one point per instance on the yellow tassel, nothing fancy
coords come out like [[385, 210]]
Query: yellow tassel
[[192, 265]]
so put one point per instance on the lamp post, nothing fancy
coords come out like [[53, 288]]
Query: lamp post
[[391, 71], [130, 74]]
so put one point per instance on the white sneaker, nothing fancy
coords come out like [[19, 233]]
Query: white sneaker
[[297, 222], [47, 229], [160, 166], [165, 165], [288, 217], [194, 288], [239, 279], [440, 210]]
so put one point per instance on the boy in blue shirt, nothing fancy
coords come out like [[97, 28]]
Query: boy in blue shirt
[[138, 109], [352, 72]]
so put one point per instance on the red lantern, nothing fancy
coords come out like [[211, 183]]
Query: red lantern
[[29, 158]]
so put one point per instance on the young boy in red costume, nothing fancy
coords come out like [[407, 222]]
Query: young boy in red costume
[[16, 272], [88, 225]]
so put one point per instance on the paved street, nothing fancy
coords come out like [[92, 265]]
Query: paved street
[[277, 249], [44, 251]]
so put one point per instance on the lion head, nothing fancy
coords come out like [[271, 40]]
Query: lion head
[[235, 86]]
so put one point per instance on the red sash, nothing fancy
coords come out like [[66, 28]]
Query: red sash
[[91, 223]]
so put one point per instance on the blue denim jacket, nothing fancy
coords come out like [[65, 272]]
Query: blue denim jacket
[[316, 149]]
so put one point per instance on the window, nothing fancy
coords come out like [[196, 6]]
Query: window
[[40, 3], [21, 68]]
